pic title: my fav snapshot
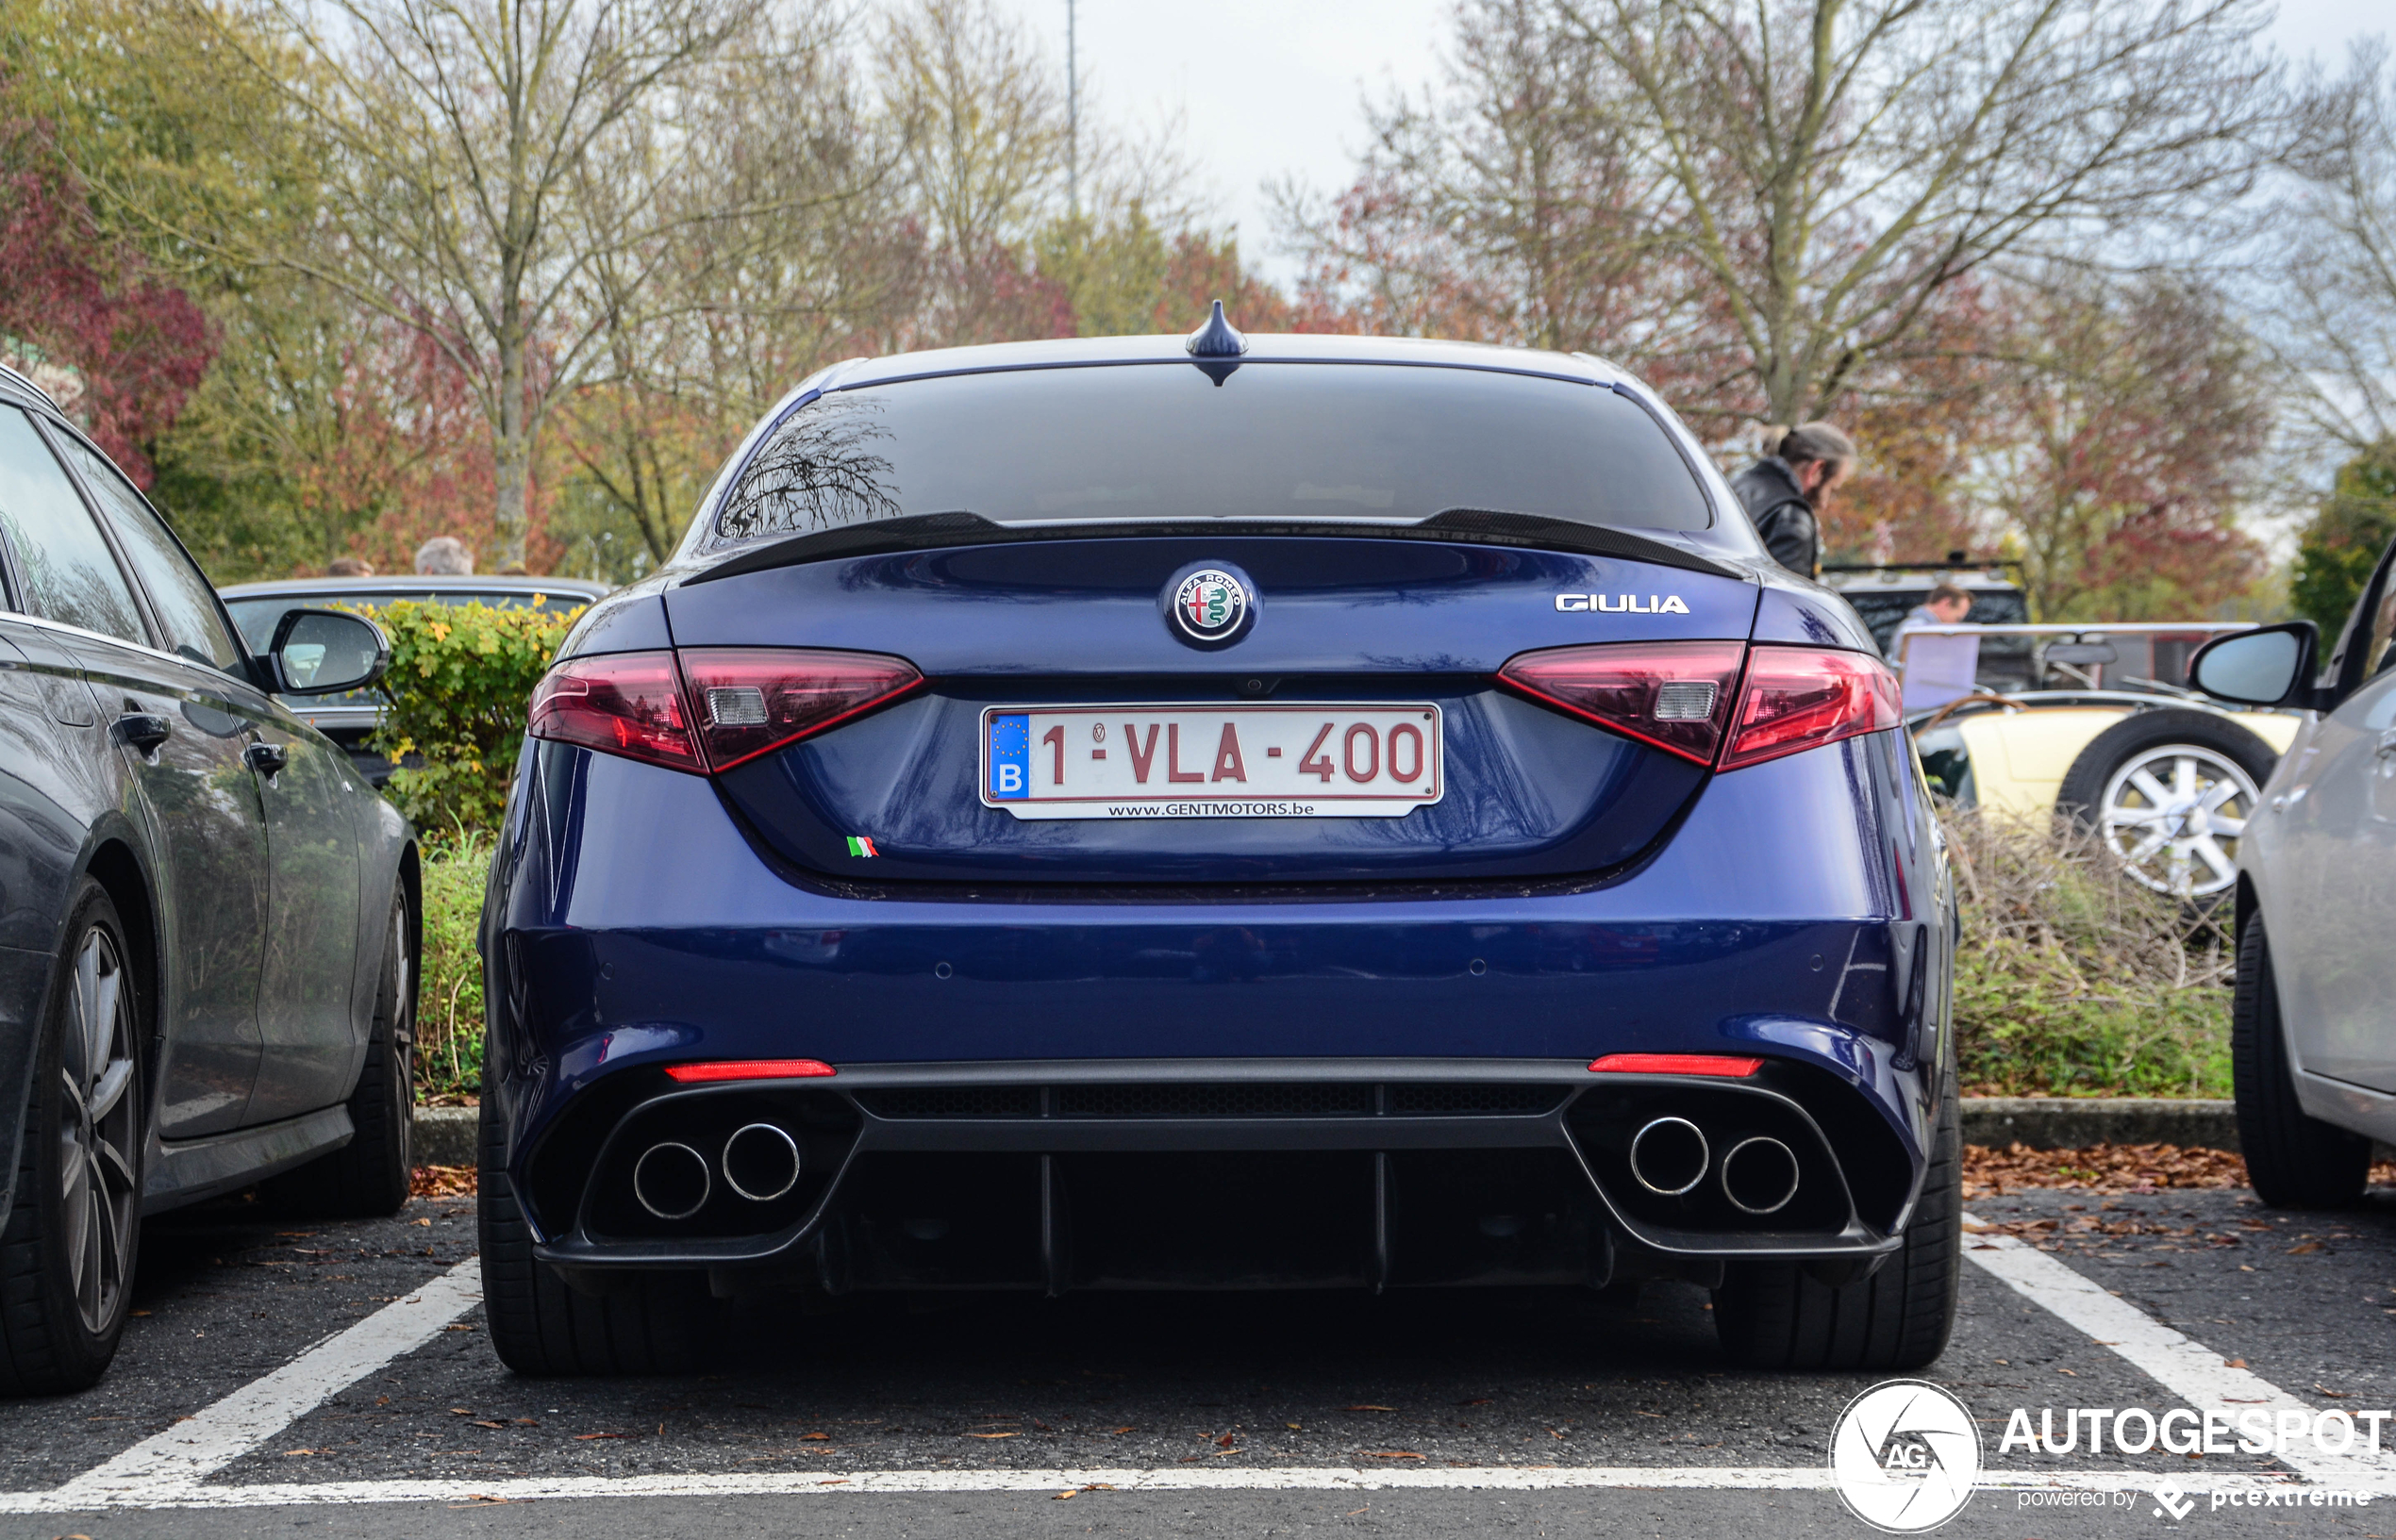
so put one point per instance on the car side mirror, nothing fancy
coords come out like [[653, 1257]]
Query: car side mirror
[[324, 652], [2273, 666]]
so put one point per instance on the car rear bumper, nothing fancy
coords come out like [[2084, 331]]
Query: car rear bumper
[[1797, 915], [1147, 1173]]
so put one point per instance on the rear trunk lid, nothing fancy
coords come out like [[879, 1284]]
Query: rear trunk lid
[[1070, 644]]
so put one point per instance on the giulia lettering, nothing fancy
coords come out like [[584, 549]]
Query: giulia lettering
[[1620, 603]]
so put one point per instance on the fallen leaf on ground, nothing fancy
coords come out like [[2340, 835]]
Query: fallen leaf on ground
[[580, 1437], [442, 1181], [993, 1436], [815, 1435], [1391, 1454], [1370, 1407]]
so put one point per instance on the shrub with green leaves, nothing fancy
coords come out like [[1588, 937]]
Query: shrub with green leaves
[[449, 1001], [460, 679], [2074, 979]]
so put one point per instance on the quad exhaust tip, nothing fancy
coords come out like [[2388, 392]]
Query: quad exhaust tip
[[1669, 1156], [760, 1162], [1759, 1175], [671, 1181]]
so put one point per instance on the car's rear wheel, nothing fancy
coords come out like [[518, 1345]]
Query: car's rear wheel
[[2168, 792], [2294, 1161], [1776, 1316], [369, 1176], [646, 1323], [67, 1255]]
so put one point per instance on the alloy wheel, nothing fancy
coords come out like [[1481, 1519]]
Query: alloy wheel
[[98, 1128], [2174, 815]]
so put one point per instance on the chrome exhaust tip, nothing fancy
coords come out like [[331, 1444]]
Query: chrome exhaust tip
[[671, 1181], [760, 1162], [1668, 1156], [1759, 1175]]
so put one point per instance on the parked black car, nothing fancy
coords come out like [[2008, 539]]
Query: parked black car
[[209, 926], [348, 717]]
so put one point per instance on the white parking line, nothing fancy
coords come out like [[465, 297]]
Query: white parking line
[[179, 1458], [2188, 1368], [887, 1482]]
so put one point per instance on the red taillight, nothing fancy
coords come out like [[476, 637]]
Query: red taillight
[[627, 704], [1804, 697], [750, 1069], [1676, 695], [744, 701], [1674, 1064], [753, 699]]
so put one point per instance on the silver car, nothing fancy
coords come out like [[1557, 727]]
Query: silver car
[[349, 719], [2312, 1041]]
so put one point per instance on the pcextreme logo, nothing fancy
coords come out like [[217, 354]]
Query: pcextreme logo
[[1904, 1456]]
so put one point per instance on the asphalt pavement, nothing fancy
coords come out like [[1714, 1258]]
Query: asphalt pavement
[[333, 1379]]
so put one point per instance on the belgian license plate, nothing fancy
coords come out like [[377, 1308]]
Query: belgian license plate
[[1322, 761]]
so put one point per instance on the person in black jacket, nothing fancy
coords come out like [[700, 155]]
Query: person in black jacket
[[1784, 492]]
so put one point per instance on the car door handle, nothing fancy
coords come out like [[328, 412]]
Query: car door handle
[[142, 730], [268, 759]]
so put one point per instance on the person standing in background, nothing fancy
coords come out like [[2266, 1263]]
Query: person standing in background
[[444, 556], [1785, 492], [1946, 606]]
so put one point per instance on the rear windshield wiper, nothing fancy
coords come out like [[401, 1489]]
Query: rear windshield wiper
[[1456, 527]]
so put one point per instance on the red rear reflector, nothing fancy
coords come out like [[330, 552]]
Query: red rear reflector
[[627, 704], [1804, 697], [1676, 695], [751, 1069], [1673, 1064], [750, 701]]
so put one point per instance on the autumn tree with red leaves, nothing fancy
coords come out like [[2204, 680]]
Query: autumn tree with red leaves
[[82, 309]]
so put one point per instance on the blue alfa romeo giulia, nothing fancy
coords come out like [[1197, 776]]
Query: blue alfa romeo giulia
[[1210, 813]]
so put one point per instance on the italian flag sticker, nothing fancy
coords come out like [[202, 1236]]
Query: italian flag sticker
[[860, 845]]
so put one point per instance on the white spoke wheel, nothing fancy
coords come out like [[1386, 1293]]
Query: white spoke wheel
[[2172, 816], [2167, 791]]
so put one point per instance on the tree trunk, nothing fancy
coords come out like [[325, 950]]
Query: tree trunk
[[512, 459]]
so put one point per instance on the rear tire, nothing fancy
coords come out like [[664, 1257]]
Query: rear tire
[[2190, 858], [651, 1323], [368, 1177], [73, 1234], [1775, 1315], [2294, 1161]]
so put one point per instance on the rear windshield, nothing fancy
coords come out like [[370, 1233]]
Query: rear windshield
[[1314, 442]]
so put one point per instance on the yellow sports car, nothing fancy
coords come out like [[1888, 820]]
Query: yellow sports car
[[2166, 777]]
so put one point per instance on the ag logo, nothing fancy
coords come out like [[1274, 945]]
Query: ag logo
[[1210, 606], [1904, 1456]]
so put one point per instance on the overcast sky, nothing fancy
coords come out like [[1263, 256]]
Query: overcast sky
[[1270, 88]]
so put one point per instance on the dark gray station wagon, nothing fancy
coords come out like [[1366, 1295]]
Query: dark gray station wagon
[[207, 919]]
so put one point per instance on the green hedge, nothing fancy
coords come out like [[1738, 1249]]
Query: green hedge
[[460, 679]]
